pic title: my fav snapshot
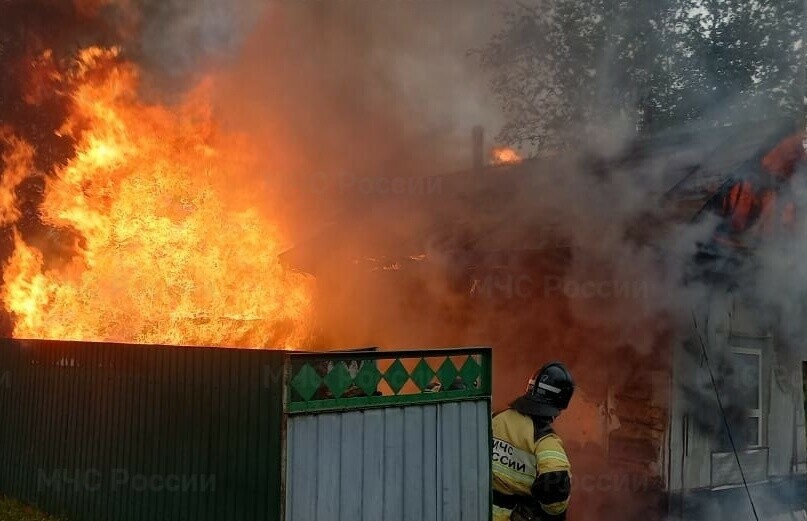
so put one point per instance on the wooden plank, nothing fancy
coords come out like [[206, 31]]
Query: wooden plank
[[88, 443], [110, 400], [16, 413], [351, 479], [469, 456], [304, 464], [172, 446], [159, 444], [24, 397], [239, 424], [14, 458], [373, 466], [432, 494], [139, 414], [413, 464], [184, 439], [222, 426], [725, 470], [274, 441], [329, 451], [123, 430], [197, 423], [8, 378], [219, 499], [484, 449], [68, 406], [393, 464], [274, 487], [250, 417], [228, 454], [72, 439], [118, 440], [450, 461], [184, 465], [112, 445], [51, 406], [5, 391], [195, 432], [213, 501], [291, 470], [145, 508], [35, 413], [73, 408]]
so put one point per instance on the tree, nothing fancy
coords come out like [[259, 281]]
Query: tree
[[558, 64], [561, 67], [742, 56]]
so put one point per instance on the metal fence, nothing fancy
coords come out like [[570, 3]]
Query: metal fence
[[101, 432], [118, 432], [390, 436]]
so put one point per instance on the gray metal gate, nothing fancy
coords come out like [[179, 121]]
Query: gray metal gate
[[391, 436]]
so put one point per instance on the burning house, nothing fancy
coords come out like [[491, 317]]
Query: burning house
[[647, 428], [740, 449]]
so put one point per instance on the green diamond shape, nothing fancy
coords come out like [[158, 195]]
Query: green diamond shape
[[368, 377], [447, 373], [396, 376], [306, 382], [338, 379], [470, 372], [422, 375]]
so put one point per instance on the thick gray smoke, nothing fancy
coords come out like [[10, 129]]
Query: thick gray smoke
[[346, 94], [349, 98], [177, 38], [178, 35]]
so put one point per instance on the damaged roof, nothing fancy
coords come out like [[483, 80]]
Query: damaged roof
[[700, 160], [472, 209]]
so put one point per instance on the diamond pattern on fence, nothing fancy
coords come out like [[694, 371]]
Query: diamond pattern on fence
[[339, 381]]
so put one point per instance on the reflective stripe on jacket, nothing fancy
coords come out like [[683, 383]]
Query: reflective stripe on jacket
[[518, 460]]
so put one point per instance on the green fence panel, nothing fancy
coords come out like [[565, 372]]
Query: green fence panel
[[96, 432], [361, 380]]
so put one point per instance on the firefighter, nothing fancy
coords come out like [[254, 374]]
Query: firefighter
[[531, 472]]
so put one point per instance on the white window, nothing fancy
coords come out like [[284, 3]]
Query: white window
[[744, 392]]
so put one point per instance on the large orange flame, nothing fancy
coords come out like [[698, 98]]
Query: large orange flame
[[171, 248]]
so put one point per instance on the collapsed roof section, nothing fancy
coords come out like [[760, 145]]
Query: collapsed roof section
[[485, 210]]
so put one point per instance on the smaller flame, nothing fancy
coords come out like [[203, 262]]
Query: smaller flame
[[747, 205], [505, 156]]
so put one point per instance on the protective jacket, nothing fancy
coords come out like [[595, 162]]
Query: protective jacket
[[531, 472]]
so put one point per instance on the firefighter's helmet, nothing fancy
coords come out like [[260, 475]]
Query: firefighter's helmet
[[548, 392]]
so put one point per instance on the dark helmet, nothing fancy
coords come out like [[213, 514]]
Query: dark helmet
[[548, 392]]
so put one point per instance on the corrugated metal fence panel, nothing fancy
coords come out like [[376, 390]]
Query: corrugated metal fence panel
[[100, 432], [414, 463]]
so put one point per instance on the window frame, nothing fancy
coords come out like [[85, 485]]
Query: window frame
[[754, 413]]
